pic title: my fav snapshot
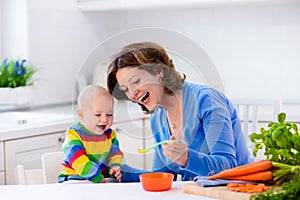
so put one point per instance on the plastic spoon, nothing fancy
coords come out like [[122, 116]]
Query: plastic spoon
[[155, 145]]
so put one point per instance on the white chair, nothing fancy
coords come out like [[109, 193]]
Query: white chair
[[29, 176], [257, 113], [51, 163]]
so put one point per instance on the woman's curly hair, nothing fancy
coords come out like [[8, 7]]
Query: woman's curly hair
[[147, 56]]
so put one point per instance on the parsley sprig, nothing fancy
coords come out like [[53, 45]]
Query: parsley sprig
[[280, 142]]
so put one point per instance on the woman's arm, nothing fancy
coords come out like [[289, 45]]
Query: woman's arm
[[212, 148], [131, 174]]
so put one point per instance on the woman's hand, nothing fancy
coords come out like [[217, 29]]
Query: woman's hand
[[176, 151], [116, 171]]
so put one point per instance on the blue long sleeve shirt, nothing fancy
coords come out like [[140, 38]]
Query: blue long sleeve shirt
[[211, 129]]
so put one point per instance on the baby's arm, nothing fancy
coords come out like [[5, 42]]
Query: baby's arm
[[115, 158]]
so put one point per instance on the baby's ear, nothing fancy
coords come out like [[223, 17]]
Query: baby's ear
[[80, 114]]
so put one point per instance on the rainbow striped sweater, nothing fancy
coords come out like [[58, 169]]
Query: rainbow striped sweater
[[89, 156]]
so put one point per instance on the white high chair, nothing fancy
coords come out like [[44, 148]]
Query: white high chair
[[256, 112], [51, 166], [29, 176], [51, 163]]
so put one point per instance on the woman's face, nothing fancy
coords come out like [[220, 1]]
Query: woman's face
[[141, 86]]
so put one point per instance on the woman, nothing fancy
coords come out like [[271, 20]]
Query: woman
[[201, 117]]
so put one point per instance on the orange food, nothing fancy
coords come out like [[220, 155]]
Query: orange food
[[248, 188], [251, 168]]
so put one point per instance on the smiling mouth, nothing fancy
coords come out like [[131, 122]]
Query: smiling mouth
[[144, 97], [102, 127]]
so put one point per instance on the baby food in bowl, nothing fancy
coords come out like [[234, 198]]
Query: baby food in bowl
[[156, 181]]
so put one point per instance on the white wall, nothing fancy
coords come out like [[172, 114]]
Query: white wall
[[58, 37], [15, 31], [254, 47]]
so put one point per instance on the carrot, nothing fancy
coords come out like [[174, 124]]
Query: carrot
[[233, 185], [248, 188], [259, 176], [250, 168]]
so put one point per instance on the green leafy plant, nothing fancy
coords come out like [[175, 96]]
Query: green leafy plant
[[15, 73], [280, 142]]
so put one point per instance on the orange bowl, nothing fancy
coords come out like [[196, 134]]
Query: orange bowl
[[156, 181]]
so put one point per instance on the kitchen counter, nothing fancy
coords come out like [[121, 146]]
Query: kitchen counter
[[20, 124], [133, 191]]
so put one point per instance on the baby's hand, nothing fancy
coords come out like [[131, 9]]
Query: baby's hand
[[103, 180], [116, 171]]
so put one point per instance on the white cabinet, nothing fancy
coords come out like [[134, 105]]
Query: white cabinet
[[2, 181], [2, 178], [134, 134], [28, 151]]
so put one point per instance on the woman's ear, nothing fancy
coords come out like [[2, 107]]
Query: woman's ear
[[160, 74]]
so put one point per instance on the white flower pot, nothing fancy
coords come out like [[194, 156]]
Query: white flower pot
[[14, 98]]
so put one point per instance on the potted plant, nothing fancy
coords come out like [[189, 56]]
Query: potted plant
[[15, 84]]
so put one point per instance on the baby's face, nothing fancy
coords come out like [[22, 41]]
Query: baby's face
[[97, 116]]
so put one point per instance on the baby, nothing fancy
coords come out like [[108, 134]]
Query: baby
[[91, 147]]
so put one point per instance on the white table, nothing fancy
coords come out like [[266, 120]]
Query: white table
[[82, 191]]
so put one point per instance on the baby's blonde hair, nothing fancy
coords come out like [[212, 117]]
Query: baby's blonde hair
[[88, 93]]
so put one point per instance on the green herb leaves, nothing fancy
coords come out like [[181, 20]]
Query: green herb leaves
[[281, 141]]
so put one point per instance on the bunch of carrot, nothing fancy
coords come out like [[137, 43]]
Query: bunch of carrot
[[248, 188], [259, 171]]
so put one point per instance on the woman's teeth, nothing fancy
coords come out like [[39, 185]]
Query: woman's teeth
[[144, 97]]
